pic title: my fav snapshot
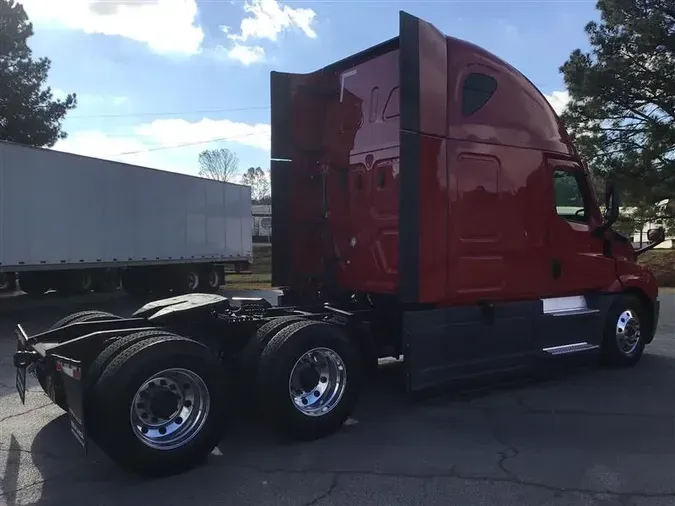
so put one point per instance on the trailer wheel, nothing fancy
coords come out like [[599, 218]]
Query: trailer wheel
[[623, 340], [47, 382], [73, 282], [189, 280], [309, 378], [159, 406], [33, 283], [212, 279], [250, 356], [7, 282]]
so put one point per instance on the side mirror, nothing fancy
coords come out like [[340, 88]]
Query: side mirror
[[611, 204], [657, 235], [611, 209]]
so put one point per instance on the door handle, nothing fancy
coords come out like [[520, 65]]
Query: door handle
[[556, 268]]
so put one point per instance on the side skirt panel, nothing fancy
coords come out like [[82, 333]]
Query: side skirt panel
[[444, 345]]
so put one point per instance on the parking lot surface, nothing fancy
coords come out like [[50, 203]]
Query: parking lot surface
[[590, 437]]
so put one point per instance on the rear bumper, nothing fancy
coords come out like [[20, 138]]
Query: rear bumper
[[60, 378]]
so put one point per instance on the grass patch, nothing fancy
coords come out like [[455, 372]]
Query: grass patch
[[261, 272]]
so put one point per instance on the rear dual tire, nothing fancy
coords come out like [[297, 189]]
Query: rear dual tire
[[308, 380], [160, 426]]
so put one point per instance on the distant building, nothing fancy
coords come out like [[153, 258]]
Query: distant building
[[639, 237], [262, 223]]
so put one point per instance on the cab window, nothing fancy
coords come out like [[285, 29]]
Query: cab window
[[569, 195]]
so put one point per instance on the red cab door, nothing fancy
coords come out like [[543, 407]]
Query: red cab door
[[578, 262]]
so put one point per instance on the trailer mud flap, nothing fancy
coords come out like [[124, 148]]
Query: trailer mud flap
[[71, 374]]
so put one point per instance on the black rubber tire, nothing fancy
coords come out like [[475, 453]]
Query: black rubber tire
[[34, 284], [84, 316], [81, 316], [73, 282], [276, 363], [611, 355], [206, 274], [113, 349], [7, 282], [114, 392], [250, 356]]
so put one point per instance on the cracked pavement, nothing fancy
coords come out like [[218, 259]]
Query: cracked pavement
[[588, 436]]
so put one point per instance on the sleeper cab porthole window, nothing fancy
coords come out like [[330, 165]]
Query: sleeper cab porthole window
[[476, 91]]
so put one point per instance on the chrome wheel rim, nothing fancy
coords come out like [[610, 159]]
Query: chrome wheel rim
[[193, 280], [317, 382], [628, 332], [170, 409], [214, 279]]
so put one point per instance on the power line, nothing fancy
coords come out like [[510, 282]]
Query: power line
[[185, 144], [168, 113]]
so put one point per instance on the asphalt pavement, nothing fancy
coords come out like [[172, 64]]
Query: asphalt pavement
[[590, 437]]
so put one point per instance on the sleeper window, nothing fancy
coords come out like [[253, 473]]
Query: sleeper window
[[476, 91]]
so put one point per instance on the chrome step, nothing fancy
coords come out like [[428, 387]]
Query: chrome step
[[570, 348], [573, 312]]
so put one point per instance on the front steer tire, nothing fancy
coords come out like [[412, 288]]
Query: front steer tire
[[274, 372], [112, 402], [624, 314]]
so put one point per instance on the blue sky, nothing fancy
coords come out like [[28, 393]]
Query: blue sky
[[157, 80]]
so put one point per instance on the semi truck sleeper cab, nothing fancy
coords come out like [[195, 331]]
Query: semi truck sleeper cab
[[427, 202]]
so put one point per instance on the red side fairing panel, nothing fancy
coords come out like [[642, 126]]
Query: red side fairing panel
[[335, 201]]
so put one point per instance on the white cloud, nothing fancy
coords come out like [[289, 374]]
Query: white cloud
[[243, 54], [166, 26], [143, 145], [265, 20], [559, 100], [180, 131]]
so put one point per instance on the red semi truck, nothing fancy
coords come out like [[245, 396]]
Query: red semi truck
[[427, 202]]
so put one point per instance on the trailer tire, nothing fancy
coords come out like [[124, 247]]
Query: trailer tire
[[250, 356], [188, 279], [339, 382], [7, 281], [33, 283], [212, 279], [73, 282], [114, 410], [623, 341]]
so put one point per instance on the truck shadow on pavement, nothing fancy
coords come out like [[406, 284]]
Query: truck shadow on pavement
[[470, 435]]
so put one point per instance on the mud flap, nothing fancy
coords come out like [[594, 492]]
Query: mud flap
[[71, 375], [21, 368]]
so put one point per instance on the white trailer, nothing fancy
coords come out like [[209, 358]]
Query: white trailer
[[74, 223]]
